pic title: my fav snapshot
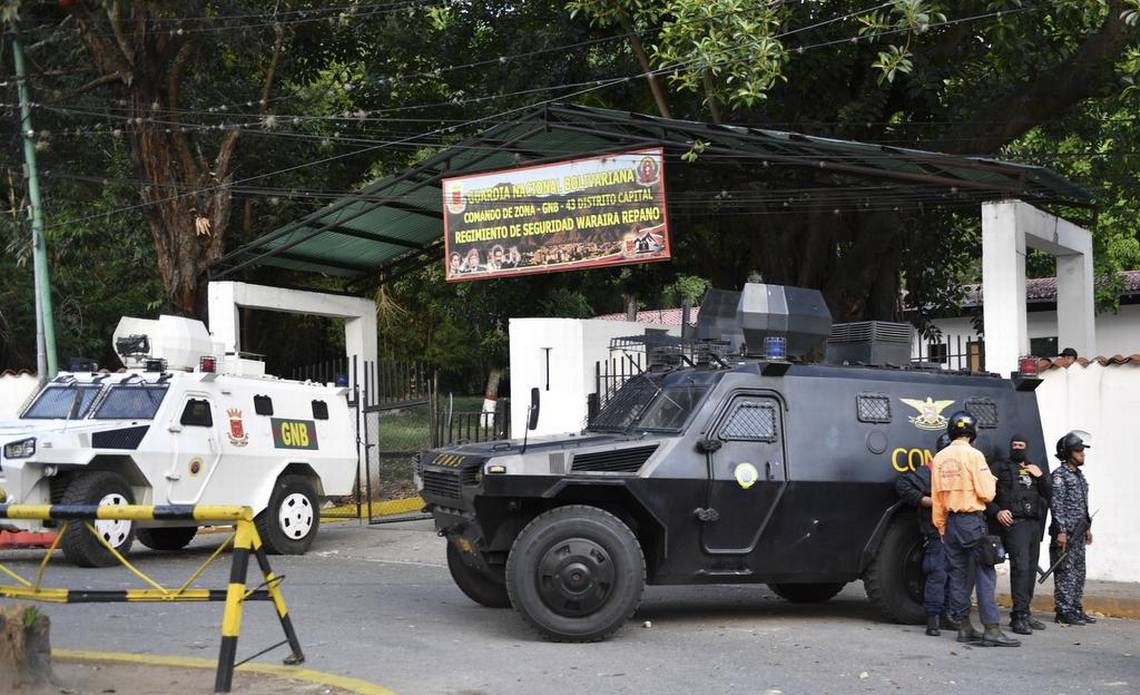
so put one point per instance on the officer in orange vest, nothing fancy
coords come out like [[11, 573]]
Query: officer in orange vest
[[961, 487]]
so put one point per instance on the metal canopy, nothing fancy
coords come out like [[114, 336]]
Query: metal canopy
[[396, 223]]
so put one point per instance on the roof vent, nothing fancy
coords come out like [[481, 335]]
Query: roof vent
[[870, 342]]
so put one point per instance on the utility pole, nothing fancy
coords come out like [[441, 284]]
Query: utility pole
[[45, 325]]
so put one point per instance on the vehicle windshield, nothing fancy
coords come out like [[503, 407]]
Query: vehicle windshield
[[131, 402], [63, 402], [652, 402]]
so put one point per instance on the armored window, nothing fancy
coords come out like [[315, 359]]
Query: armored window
[[984, 411], [63, 402], [131, 402], [750, 421], [873, 407], [320, 410], [197, 413], [263, 405]]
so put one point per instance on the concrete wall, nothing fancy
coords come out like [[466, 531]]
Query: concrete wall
[[575, 346], [1103, 401], [15, 389]]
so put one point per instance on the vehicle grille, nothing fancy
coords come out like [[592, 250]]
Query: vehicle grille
[[442, 483], [618, 461], [125, 438]]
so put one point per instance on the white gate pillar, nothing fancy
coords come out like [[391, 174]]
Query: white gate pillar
[[1009, 227]]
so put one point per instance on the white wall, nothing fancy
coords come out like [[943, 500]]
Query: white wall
[[575, 346], [1102, 401], [15, 389], [1116, 334]]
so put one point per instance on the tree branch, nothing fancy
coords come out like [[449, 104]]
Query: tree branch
[[107, 56], [1085, 74], [117, 31]]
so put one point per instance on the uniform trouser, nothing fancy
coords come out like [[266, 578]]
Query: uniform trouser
[[963, 540], [1023, 543], [1069, 577], [937, 576]]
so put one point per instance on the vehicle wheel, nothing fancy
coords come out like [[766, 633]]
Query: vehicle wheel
[[807, 593], [289, 524], [576, 574], [894, 580], [479, 586], [77, 543], [166, 538]]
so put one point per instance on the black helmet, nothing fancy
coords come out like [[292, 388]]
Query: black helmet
[[943, 442], [962, 423], [1068, 444]]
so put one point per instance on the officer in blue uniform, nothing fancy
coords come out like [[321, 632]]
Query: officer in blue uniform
[[1070, 507], [913, 487]]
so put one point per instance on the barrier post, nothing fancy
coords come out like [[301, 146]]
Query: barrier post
[[235, 597]]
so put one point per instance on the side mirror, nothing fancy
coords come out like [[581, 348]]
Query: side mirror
[[532, 411]]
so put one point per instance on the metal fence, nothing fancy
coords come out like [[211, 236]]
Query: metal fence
[[610, 375], [953, 352], [453, 427]]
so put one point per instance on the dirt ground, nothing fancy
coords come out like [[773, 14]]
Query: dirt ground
[[82, 678]]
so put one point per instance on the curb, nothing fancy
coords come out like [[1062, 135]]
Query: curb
[[356, 685], [1112, 607]]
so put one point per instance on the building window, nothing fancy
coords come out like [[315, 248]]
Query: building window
[[936, 353], [1043, 347], [873, 407]]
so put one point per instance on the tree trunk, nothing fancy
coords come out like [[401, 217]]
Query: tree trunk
[[650, 77], [25, 648]]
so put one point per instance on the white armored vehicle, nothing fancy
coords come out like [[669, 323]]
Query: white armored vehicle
[[183, 425]]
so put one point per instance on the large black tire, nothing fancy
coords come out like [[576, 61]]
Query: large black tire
[[576, 574], [479, 586], [166, 537], [78, 544], [807, 593], [290, 522], [894, 580]]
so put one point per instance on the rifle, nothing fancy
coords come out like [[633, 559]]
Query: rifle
[[1079, 531]]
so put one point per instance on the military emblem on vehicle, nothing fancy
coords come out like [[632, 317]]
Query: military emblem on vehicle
[[930, 415], [746, 475], [238, 437]]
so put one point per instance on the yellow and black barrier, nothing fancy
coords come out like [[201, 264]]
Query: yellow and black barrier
[[245, 540]]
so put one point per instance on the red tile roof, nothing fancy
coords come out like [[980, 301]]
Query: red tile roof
[[663, 317], [1045, 289], [1045, 363]]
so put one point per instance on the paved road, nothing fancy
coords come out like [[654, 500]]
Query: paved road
[[378, 604]]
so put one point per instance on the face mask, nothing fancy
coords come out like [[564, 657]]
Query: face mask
[[1017, 454]]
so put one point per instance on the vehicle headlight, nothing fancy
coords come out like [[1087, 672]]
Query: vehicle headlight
[[21, 449]]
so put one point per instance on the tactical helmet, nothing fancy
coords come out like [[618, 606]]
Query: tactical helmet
[[943, 442], [1069, 443], [961, 424]]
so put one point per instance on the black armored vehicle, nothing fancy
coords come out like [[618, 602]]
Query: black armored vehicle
[[717, 468]]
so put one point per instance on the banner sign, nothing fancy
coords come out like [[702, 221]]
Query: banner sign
[[582, 213]]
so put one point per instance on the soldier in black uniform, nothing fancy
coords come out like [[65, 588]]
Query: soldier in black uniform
[[913, 487], [1070, 507], [1023, 494]]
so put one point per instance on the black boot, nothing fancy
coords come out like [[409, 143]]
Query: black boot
[[932, 625], [993, 637], [1034, 623], [1070, 619], [966, 630], [1019, 624], [947, 622], [1087, 618]]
